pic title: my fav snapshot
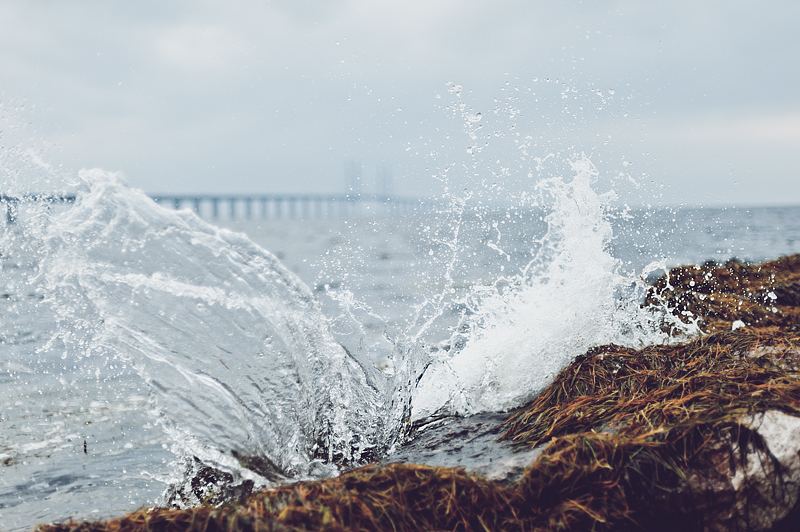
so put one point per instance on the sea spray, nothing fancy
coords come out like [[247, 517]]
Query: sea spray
[[242, 368], [569, 298], [232, 344]]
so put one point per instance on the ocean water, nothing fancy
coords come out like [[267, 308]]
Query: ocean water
[[135, 338]]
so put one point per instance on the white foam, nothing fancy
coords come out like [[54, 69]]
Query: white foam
[[567, 300]]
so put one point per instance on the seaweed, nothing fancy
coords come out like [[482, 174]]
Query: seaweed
[[393, 497], [760, 295], [664, 391]]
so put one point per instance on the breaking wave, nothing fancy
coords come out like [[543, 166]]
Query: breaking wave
[[237, 354]]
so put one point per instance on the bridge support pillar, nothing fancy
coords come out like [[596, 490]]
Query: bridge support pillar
[[12, 211]]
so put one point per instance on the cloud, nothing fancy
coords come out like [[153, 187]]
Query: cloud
[[200, 47], [772, 128], [197, 95]]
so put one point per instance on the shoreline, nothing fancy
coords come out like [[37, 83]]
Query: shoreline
[[701, 435]]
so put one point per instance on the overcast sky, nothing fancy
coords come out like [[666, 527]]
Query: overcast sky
[[695, 101]]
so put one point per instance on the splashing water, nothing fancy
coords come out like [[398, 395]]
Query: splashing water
[[231, 343], [568, 299], [243, 371]]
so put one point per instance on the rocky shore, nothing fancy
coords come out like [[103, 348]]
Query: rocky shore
[[702, 435]]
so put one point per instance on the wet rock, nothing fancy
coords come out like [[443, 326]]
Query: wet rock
[[471, 444], [206, 485], [751, 482], [782, 356], [786, 295]]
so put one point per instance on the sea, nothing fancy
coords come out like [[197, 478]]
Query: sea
[[136, 339]]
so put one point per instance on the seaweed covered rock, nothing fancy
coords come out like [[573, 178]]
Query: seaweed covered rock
[[698, 436], [703, 435], [761, 295], [374, 498]]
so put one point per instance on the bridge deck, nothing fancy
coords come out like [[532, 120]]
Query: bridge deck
[[244, 206]]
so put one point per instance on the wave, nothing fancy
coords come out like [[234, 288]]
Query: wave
[[236, 351]]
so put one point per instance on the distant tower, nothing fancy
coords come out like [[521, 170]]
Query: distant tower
[[352, 177], [383, 180]]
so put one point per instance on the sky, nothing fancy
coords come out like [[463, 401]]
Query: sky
[[675, 103]]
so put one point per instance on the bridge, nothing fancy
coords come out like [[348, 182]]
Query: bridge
[[263, 206]]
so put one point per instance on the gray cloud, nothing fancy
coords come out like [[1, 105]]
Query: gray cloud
[[266, 97]]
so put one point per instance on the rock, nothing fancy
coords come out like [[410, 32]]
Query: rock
[[753, 482], [787, 295], [471, 444]]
